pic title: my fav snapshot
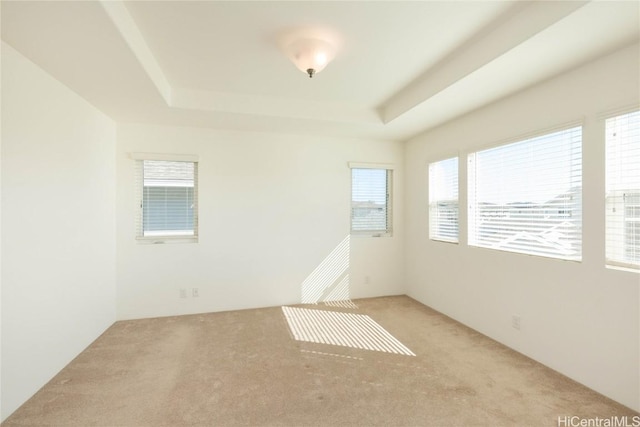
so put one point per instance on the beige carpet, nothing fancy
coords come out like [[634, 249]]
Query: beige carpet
[[262, 367]]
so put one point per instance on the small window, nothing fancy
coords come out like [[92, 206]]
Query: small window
[[371, 201], [443, 200], [526, 196], [167, 199], [623, 190]]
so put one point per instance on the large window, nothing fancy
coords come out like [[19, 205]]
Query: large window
[[167, 198], [526, 196], [623, 190], [371, 200], [443, 200]]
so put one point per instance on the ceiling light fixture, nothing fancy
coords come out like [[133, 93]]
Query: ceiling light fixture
[[311, 55]]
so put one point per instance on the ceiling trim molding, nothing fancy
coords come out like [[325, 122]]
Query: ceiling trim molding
[[126, 26], [514, 27], [272, 107]]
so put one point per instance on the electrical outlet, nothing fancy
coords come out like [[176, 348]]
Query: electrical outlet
[[515, 322], [183, 293], [195, 293]]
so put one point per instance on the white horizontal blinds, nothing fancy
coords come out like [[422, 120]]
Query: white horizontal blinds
[[168, 199], [443, 200], [371, 200], [623, 190], [527, 196]]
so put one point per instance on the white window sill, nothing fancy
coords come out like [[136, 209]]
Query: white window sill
[[623, 268], [453, 242], [371, 234], [160, 240]]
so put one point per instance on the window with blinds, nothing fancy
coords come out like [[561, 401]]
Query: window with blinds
[[623, 190], [526, 196], [167, 196], [371, 201], [443, 200]]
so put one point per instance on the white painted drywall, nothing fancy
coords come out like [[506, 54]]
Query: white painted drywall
[[58, 222], [271, 208], [578, 318]]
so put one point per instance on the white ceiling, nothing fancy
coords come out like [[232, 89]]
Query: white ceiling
[[402, 67]]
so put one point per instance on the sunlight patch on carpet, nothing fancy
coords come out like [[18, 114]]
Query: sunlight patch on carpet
[[347, 303], [343, 329]]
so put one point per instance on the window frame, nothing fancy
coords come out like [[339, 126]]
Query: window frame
[[611, 197], [139, 159], [388, 231], [473, 222]]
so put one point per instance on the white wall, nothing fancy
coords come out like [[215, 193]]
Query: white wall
[[581, 319], [271, 209], [58, 222]]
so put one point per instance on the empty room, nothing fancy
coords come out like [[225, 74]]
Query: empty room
[[322, 213]]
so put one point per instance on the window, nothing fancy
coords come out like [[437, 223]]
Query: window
[[167, 198], [371, 200], [443, 200], [526, 196], [623, 190]]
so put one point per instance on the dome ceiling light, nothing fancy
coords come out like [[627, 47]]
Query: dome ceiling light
[[310, 48], [311, 55]]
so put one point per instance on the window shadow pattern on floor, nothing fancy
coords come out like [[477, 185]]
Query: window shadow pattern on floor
[[343, 329]]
